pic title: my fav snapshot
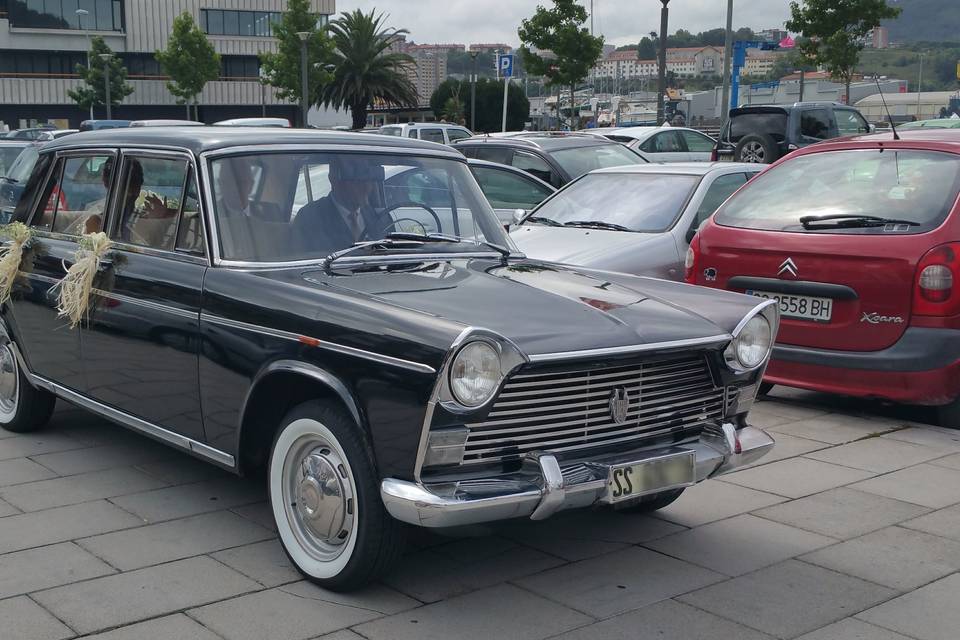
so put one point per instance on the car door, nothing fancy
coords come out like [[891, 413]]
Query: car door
[[71, 201], [140, 346], [665, 146], [507, 191], [699, 146]]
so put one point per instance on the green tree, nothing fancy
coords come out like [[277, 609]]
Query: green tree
[[282, 69], [93, 91], [647, 49], [189, 59], [365, 69], [833, 31], [489, 103], [561, 31], [790, 62]]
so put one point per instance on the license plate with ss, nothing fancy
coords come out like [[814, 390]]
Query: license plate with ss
[[799, 307], [634, 479]]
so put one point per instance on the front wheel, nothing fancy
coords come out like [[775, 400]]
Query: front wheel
[[23, 408], [325, 496]]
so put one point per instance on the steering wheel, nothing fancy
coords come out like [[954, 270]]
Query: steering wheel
[[410, 203]]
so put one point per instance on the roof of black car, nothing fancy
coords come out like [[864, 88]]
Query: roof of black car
[[545, 142], [200, 139]]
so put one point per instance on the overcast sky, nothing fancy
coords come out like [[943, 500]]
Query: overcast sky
[[619, 21]]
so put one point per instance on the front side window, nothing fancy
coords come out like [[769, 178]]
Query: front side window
[[849, 192], [532, 164], [850, 122], [76, 200], [642, 202], [8, 155], [150, 200], [815, 123], [457, 134], [506, 190], [580, 160], [697, 142], [282, 207], [721, 189]]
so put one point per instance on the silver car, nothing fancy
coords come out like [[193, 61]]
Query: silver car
[[635, 219]]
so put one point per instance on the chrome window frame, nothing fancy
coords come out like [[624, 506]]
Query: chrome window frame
[[206, 187]]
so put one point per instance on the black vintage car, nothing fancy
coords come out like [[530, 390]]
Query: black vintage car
[[346, 313]]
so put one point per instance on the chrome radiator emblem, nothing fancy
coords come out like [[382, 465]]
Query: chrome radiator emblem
[[619, 404]]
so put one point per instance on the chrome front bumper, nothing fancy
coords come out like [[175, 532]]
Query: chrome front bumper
[[544, 487]]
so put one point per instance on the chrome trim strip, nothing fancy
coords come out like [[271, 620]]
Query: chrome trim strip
[[42, 278], [629, 349], [373, 260], [156, 306], [757, 309], [125, 419], [321, 344]]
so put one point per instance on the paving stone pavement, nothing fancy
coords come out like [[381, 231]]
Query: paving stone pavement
[[850, 530]]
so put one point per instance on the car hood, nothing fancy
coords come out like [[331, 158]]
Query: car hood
[[542, 307], [597, 248]]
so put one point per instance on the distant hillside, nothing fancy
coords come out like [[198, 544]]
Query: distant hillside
[[926, 20]]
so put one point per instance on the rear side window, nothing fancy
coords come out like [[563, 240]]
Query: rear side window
[[697, 142], [432, 135], [771, 124], [493, 154], [846, 191]]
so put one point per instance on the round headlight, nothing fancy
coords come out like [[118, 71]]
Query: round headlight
[[754, 342], [475, 374]]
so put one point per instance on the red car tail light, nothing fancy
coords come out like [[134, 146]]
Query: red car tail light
[[936, 274], [690, 262], [714, 156]]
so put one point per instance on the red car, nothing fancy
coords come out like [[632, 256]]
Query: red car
[[859, 240]]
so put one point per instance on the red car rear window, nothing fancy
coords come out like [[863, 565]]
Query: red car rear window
[[856, 191]]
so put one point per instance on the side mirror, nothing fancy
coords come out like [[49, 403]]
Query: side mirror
[[873, 128], [518, 215]]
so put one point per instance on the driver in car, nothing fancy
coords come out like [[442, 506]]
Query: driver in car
[[345, 216]]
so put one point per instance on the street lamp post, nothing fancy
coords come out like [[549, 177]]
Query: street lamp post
[[304, 83], [106, 80], [662, 72], [473, 91], [80, 15], [919, 86]]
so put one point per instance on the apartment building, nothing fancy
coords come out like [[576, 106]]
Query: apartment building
[[684, 62], [42, 41]]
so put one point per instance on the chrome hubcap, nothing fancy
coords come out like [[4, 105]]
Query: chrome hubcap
[[320, 498], [9, 382], [752, 152]]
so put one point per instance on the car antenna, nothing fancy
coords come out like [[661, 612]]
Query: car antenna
[[896, 136]]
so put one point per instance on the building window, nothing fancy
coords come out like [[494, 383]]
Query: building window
[[102, 15], [41, 64], [226, 22], [239, 67]]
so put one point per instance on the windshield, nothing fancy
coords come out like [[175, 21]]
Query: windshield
[[917, 188], [282, 207], [8, 155], [770, 124], [642, 202], [577, 161]]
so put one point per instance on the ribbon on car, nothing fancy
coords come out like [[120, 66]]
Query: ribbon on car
[[77, 285], [11, 256]]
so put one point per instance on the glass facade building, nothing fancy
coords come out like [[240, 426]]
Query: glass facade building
[[102, 15]]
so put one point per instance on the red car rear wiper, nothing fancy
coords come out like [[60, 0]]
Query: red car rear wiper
[[852, 220]]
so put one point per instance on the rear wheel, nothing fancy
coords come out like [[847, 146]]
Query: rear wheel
[[757, 148], [648, 504], [23, 407], [948, 415], [325, 496]]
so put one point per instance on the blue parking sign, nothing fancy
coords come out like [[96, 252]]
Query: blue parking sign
[[505, 65]]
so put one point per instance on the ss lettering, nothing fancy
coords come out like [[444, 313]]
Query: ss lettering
[[623, 486]]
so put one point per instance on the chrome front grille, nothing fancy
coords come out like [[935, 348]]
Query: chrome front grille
[[570, 409]]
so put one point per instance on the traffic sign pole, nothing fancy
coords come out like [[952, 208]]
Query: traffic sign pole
[[505, 67]]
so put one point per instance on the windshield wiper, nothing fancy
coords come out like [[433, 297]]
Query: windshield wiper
[[596, 224], [542, 220], [404, 240], [852, 221]]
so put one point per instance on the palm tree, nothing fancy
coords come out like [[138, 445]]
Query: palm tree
[[365, 69]]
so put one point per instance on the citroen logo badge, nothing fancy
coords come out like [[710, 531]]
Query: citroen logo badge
[[619, 404], [788, 266]]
